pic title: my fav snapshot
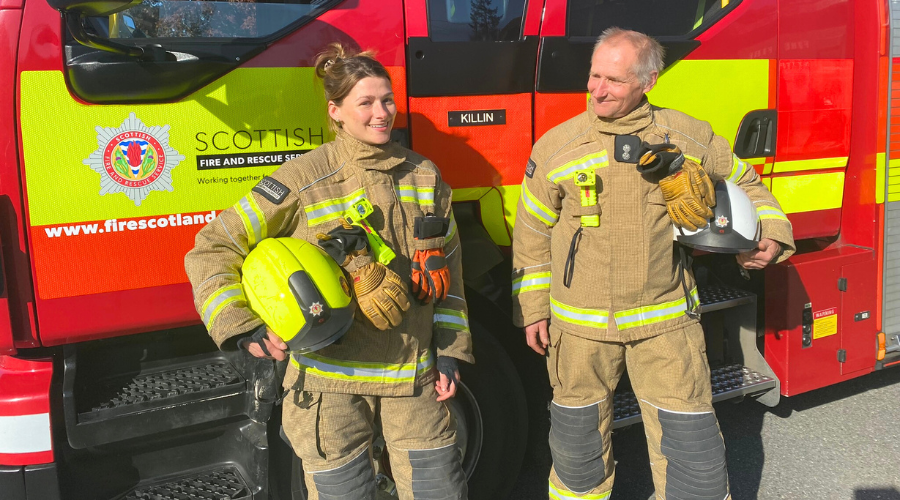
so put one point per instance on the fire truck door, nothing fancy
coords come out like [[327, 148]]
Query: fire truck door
[[128, 150], [471, 81]]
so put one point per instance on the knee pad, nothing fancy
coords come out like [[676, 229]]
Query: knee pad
[[355, 480], [695, 450], [437, 474], [577, 446]]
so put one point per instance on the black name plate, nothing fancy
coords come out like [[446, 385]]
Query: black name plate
[[476, 118]]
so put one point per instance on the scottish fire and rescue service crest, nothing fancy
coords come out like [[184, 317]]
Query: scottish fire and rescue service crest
[[134, 159]]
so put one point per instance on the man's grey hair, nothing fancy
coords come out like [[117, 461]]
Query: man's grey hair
[[649, 52]]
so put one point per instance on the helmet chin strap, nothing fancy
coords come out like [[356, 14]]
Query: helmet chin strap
[[685, 262]]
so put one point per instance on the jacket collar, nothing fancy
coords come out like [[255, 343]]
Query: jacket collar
[[368, 156], [640, 118]]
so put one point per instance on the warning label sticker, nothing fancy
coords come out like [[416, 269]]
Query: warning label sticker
[[825, 323]]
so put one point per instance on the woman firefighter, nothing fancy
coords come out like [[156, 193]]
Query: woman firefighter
[[383, 214]]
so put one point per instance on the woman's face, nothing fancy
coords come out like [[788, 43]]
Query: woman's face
[[368, 111]]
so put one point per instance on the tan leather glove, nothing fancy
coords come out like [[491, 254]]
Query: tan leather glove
[[381, 294], [689, 196]]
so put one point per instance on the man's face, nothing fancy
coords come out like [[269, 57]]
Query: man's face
[[615, 90]]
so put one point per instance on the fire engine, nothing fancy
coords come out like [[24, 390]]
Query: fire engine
[[129, 124]]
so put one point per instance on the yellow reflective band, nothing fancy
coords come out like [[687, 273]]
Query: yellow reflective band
[[594, 318], [893, 180], [648, 315], [424, 196], [531, 282], [807, 193], [770, 212], [492, 217], [567, 171], [469, 194], [540, 211], [738, 167], [747, 81], [218, 300], [815, 164], [693, 159], [880, 169], [451, 231], [254, 221], [327, 210], [451, 319], [360, 371], [559, 494], [510, 195]]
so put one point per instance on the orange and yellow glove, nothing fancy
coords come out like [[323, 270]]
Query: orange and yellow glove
[[430, 275], [688, 190]]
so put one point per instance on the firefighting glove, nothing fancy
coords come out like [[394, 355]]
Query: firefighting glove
[[449, 367], [258, 337], [689, 192], [344, 243], [430, 275], [381, 294]]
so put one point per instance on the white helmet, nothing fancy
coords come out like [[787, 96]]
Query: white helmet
[[734, 227]]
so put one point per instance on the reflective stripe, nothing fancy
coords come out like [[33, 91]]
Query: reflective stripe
[[360, 371], [594, 318], [254, 221], [218, 300], [770, 212], [648, 315], [693, 159], [25, 433], [538, 209], [596, 160], [738, 167], [814, 164], [558, 494], [412, 194], [451, 230], [451, 319], [327, 210], [531, 282], [807, 193]]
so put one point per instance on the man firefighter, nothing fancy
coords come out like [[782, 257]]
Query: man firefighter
[[383, 374], [598, 284]]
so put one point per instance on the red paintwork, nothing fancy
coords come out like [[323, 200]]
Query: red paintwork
[[747, 32], [554, 23], [818, 224], [416, 18], [812, 278], [534, 11], [116, 313], [11, 4], [25, 390], [490, 155], [40, 42], [814, 108], [552, 109], [813, 29]]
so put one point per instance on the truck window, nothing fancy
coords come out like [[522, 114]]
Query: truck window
[[475, 20], [179, 19], [657, 18]]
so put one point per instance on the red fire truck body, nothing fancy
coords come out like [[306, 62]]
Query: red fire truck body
[[127, 126]]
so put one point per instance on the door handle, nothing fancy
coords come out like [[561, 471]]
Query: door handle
[[756, 134]]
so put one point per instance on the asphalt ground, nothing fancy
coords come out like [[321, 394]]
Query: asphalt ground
[[840, 442]]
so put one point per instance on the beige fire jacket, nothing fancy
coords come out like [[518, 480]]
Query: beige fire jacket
[[307, 195], [625, 281]]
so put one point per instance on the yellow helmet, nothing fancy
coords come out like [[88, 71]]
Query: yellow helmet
[[299, 292]]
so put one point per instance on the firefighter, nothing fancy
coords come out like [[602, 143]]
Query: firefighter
[[597, 281], [396, 366]]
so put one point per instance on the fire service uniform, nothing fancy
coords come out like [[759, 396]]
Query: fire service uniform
[[597, 260], [338, 393]]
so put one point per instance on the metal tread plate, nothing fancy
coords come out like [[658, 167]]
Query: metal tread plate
[[715, 297], [727, 382], [223, 483]]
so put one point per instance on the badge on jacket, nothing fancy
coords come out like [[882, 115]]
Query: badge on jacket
[[529, 168], [627, 147], [272, 190]]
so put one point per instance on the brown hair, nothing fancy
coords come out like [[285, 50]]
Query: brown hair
[[341, 69]]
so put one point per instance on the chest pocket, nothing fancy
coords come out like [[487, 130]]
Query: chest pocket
[[416, 192], [324, 205]]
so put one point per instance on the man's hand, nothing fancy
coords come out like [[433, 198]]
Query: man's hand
[[274, 345], [766, 251], [537, 336]]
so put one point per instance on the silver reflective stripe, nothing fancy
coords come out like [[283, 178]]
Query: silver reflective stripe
[[555, 176], [337, 206], [221, 298], [255, 223], [449, 318]]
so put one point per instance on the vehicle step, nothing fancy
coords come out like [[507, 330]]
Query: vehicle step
[[716, 297], [727, 382], [223, 483]]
